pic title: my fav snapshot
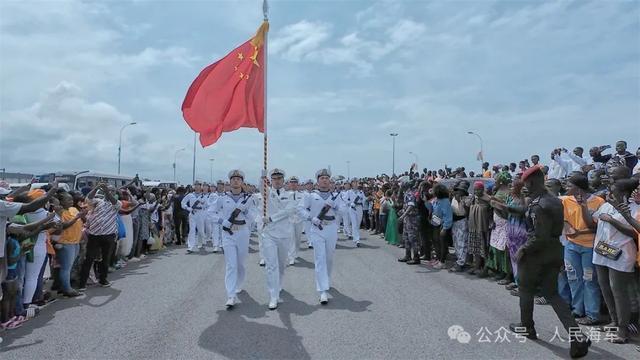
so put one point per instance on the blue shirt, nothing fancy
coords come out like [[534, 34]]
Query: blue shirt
[[442, 209]]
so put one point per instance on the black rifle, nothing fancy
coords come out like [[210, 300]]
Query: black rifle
[[325, 209], [234, 215]]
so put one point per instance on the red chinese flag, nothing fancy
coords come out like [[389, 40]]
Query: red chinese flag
[[229, 94]]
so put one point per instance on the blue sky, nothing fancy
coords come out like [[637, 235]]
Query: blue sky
[[527, 76]]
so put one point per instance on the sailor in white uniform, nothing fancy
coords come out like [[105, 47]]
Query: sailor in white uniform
[[235, 210], [320, 207], [195, 204], [344, 201], [355, 209], [308, 189], [297, 223], [275, 228]]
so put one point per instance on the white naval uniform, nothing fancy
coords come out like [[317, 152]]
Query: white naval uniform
[[307, 223], [356, 198], [196, 218], [236, 245], [297, 225], [215, 235], [276, 237], [343, 208], [324, 241]]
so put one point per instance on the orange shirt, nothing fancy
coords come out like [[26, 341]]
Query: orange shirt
[[72, 234], [573, 216], [487, 174]]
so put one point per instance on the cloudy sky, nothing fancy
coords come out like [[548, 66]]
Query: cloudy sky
[[526, 76]]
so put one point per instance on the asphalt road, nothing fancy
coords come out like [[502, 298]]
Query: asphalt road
[[171, 306]]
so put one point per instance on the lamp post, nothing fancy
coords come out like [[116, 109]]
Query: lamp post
[[120, 143], [211, 162], [481, 158], [416, 155], [175, 156], [348, 169], [393, 164]]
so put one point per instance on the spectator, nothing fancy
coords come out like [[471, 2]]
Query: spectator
[[68, 244], [498, 259], [615, 256], [459, 229], [479, 233], [441, 220], [102, 230], [578, 205]]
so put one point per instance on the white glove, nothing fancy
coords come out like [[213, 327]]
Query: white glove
[[242, 207], [227, 224], [315, 221], [330, 202], [266, 220]]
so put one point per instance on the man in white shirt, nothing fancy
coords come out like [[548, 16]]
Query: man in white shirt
[[236, 210], [194, 203], [320, 208], [297, 222], [276, 233]]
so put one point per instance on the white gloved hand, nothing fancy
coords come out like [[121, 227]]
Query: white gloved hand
[[330, 202], [315, 221], [266, 220], [227, 224], [241, 207]]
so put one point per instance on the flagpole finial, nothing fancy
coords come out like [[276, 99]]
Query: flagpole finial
[[265, 10]]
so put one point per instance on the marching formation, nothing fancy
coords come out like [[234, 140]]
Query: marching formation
[[226, 220]]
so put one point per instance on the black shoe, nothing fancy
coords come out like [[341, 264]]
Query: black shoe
[[413, 262], [104, 283], [456, 268], [579, 348], [484, 273], [72, 294], [404, 259], [529, 333], [358, 245], [511, 286], [587, 321], [424, 257]]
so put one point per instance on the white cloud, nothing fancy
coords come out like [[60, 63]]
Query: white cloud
[[296, 41]]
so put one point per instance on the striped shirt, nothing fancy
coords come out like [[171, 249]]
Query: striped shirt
[[102, 219]]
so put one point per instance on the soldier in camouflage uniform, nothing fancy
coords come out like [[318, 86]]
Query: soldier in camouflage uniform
[[410, 228]]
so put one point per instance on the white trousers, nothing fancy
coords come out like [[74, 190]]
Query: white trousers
[[236, 250], [346, 219], [32, 270], [324, 245], [216, 234], [355, 217], [275, 254], [307, 230], [196, 230], [295, 240]]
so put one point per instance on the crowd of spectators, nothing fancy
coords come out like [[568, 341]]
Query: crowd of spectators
[[55, 243], [475, 224]]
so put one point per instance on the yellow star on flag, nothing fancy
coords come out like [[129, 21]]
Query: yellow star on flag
[[240, 56]]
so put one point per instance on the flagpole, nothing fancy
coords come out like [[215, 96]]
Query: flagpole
[[265, 13], [194, 158]]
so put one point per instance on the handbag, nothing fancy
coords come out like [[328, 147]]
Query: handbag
[[607, 250]]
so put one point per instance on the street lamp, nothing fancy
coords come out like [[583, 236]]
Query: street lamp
[[348, 169], [481, 157], [120, 143], [416, 155], [393, 166], [211, 160], [175, 155]]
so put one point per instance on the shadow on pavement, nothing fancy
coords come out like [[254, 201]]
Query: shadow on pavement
[[253, 340], [302, 263], [339, 301], [594, 351]]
